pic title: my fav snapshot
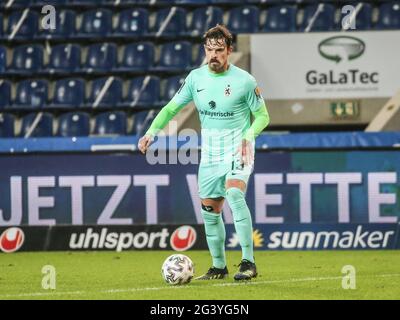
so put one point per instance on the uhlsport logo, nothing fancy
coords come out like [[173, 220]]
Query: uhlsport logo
[[11, 239], [341, 48], [183, 238]]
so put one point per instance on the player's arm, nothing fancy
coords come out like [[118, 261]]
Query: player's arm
[[261, 121], [181, 99], [257, 106]]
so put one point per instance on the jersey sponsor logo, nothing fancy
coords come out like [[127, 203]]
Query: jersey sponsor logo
[[183, 238], [11, 239], [216, 114], [228, 90]]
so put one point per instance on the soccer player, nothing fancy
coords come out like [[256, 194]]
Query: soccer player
[[225, 97]]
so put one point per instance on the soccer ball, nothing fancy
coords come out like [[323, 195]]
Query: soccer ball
[[177, 269]]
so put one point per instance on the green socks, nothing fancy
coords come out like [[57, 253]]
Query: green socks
[[242, 221], [215, 235]]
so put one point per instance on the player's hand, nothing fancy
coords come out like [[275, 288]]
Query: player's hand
[[245, 152], [144, 143]]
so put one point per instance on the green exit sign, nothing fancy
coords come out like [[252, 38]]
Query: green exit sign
[[345, 110]]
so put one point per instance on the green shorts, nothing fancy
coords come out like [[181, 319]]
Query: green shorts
[[212, 177]]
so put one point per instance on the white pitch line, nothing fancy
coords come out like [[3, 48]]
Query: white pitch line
[[245, 283]]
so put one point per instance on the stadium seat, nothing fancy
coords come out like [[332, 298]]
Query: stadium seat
[[170, 22], [31, 94], [133, 22], [7, 125], [110, 89], [97, 23], [363, 19], [87, 2], [226, 1], [171, 87], [65, 26], [138, 56], [204, 18], [43, 128], [244, 19], [65, 58], [280, 19], [27, 29], [142, 121], [200, 57], [74, 124], [175, 57], [389, 16], [3, 59], [143, 91], [5, 94], [69, 93], [101, 57], [111, 123], [50, 2], [194, 2], [319, 17], [1, 26], [27, 59]]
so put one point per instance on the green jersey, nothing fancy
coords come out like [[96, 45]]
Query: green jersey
[[224, 102]]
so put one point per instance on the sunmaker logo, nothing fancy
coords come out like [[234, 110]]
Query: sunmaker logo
[[355, 239], [341, 48]]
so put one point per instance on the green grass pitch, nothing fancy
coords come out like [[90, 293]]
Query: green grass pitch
[[136, 275]]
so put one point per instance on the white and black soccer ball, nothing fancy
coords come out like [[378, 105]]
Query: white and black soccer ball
[[177, 269]]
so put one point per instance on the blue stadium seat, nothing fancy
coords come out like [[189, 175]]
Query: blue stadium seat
[[225, 1], [87, 2], [50, 2], [5, 94], [363, 19], [96, 22], [133, 22], [112, 95], [65, 26], [101, 57], [69, 93], [65, 58], [28, 28], [27, 59], [7, 125], [170, 22], [389, 16], [193, 2], [244, 19], [175, 57], [74, 124], [111, 123], [143, 91], [323, 15], [200, 57], [43, 128], [204, 18], [18, 3], [142, 121], [280, 19], [138, 56], [31, 94], [171, 87], [3, 59], [1, 26]]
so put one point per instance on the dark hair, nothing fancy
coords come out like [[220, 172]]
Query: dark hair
[[219, 32]]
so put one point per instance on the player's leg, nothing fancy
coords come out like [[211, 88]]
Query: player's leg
[[235, 195], [212, 190], [215, 235]]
